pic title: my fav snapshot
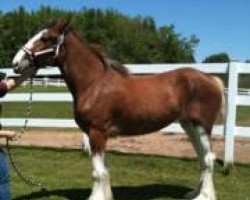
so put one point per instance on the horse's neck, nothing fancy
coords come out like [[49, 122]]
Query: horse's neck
[[80, 67]]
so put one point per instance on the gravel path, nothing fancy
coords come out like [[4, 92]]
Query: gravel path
[[165, 144]]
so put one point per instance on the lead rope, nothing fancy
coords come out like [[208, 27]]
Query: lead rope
[[14, 162]]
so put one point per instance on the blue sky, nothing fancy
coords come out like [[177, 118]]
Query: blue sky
[[221, 25]]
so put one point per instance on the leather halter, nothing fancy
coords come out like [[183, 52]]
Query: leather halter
[[32, 56]]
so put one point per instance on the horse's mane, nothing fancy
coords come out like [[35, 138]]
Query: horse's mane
[[98, 51]]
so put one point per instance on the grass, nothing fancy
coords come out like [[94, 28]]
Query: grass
[[243, 113], [57, 110], [64, 110], [39, 110], [38, 88], [66, 175]]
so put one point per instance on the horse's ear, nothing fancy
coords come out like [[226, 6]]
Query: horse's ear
[[64, 26]]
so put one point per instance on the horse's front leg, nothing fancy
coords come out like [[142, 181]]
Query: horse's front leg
[[101, 187], [85, 143]]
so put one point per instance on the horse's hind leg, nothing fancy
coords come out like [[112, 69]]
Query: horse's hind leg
[[101, 187], [202, 145]]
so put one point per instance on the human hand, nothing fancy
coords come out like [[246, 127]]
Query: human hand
[[16, 81], [11, 135], [14, 136]]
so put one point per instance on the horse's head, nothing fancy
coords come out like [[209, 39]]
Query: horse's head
[[42, 49]]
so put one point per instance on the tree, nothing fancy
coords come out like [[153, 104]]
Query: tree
[[217, 58], [174, 48], [127, 39]]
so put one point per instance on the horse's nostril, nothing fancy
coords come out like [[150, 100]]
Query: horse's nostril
[[16, 69]]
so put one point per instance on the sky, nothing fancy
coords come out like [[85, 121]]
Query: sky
[[220, 25]]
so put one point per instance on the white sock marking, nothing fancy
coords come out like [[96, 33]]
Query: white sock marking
[[202, 145], [86, 144], [101, 187]]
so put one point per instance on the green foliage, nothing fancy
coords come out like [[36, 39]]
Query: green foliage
[[127, 39], [217, 58]]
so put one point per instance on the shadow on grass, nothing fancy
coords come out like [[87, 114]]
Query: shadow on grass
[[144, 192]]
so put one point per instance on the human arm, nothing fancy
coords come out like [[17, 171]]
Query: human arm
[[14, 82], [8, 134]]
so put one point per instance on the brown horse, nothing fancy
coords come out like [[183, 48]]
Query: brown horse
[[109, 100]]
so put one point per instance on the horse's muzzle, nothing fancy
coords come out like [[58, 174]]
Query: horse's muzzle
[[16, 69], [22, 66]]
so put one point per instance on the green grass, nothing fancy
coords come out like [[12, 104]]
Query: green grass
[[58, 110], [243, 113], [40, 89], [64, 110], [66, 175]]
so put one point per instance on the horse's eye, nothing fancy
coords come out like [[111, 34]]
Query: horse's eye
[[44, 39]]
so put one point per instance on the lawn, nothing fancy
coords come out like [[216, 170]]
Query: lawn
[[56, 110], [66, 175], [64, 110], [243, 113], [41, 88]]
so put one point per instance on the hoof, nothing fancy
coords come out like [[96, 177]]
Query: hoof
[[99, 197], [204, 197]]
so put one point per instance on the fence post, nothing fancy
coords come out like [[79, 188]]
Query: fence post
[[230, 123]]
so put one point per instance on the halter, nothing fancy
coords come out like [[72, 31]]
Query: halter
[[32, 56]]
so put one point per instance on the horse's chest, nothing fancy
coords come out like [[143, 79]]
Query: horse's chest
[[93, 108]]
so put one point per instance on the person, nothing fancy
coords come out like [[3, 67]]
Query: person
[[6, 86]]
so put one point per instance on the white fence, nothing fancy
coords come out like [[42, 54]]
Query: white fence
[[230, 130], [45, 81]]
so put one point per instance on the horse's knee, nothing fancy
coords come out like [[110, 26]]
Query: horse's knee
[[97, 140]]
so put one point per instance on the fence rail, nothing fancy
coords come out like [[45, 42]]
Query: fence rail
[[229, 129]]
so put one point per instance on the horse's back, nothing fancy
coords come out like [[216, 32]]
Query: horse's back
[[164, 98], [203, 97]]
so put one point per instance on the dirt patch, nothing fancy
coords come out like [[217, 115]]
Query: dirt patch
[[165, 144]]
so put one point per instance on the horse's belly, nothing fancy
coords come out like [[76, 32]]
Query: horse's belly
[[138, 127], [146, 113]]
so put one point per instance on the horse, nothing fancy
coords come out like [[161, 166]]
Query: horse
[[108, 100]]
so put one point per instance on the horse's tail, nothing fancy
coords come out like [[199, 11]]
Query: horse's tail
[[220, 85]]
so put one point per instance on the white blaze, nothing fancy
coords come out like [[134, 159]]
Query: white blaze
[[29, 45]]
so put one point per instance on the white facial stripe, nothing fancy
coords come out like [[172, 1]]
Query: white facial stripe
[[18, 57], [29, 45]]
